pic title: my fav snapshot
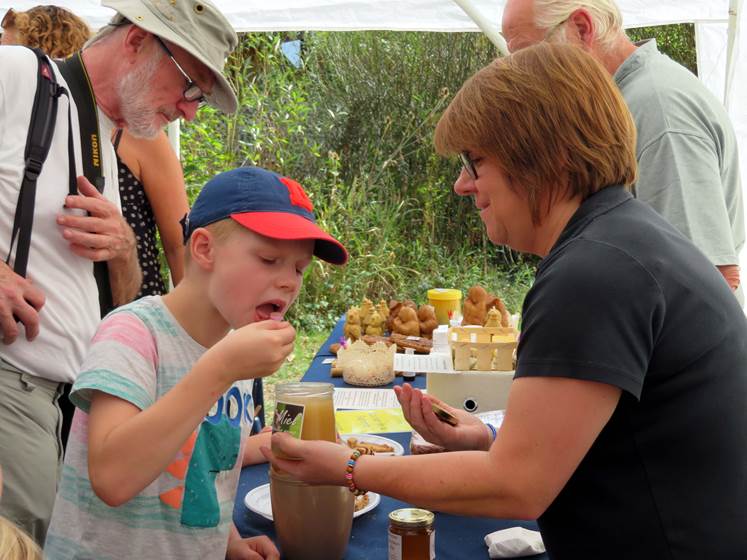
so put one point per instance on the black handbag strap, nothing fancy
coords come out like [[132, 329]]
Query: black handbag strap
[[74, 72], [38, 142]]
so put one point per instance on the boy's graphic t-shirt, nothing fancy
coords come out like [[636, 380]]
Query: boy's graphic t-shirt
[[138, 354]]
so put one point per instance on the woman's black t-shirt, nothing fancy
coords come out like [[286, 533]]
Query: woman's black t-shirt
[[624, 299]]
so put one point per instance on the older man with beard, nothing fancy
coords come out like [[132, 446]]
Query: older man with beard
[[688, 164], [155, 62]]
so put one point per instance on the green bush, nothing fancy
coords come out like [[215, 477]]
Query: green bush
[[354, 125], [677, 41]]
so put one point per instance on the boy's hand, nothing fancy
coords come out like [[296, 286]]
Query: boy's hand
[[254, 548], [254, 350]]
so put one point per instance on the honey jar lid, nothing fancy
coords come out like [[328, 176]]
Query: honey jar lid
[[411, 517], [444, 294]]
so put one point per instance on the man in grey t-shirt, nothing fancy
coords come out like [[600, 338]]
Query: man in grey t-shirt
[[688, 164]]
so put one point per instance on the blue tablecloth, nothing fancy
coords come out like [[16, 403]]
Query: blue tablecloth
[[457, 538]]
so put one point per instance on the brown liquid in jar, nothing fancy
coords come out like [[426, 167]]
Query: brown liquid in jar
[[319, 411], [311, 522], [411, 535]]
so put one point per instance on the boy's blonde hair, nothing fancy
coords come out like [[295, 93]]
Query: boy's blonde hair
[[56, 31], [221, 231], [552, 118], [15, 544]]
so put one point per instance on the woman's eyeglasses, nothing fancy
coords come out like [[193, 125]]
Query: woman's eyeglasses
[[469, 165]]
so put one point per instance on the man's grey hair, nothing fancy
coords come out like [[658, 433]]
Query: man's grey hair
[[549, 14], [114, 24]]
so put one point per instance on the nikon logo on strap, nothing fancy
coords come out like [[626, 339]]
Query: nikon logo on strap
[[74, 72], [95, 153]]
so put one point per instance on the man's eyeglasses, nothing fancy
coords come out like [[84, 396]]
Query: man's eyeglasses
[[469, 165], [192, 92]]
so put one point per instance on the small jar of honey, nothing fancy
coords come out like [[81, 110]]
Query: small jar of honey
[[411, 535]]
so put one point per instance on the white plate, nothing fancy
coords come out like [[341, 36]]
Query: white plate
[[380, 440], [258, 500]]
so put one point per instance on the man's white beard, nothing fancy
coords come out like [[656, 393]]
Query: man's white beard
[[134, 91]]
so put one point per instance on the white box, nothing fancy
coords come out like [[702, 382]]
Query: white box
[[474, 391]]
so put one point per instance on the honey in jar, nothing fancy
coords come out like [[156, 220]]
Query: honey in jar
[[411, 535], [311, 522], [305, 410]]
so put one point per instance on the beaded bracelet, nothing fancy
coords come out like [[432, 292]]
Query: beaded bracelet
[[349, 473], [493, 432]]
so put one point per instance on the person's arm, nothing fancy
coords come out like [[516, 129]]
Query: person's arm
[[20, 301], [252, 453], [128, 448], [731, 275], [550, 425], [125, 276], [103, 235], [163, 182], [679, 175]]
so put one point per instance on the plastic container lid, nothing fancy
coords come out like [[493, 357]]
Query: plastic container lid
[[444, 294]]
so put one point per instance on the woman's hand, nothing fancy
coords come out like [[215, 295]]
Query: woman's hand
[[315, 462], [469, 433]]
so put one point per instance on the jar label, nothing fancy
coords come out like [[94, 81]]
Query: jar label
[[288, 418], [395, 546], [433, 544]]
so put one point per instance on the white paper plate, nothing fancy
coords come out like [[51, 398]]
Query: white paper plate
[[258, 501], [494, 417], [380, 440]]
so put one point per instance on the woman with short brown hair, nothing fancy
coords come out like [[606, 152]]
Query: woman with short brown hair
[[625, 433], [582, 136]]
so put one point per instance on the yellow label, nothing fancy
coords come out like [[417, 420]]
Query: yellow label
[[385, 420]]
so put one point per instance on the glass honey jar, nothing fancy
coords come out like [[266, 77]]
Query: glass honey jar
[[411, 535], [311, 522], [306, 410]]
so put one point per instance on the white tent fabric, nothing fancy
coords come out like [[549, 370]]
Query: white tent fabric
[[711, 18], [411, 15]]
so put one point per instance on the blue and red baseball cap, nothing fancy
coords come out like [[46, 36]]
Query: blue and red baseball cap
[[266, 203]]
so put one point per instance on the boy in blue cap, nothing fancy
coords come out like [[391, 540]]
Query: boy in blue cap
[[155, 450]]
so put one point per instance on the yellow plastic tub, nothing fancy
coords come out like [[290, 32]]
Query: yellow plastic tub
[[443, 301]]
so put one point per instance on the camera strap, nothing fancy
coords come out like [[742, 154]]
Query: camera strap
[[79, 84]]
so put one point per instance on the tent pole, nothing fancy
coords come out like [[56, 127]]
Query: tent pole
[[173, 132], [735, 10], [486, 26]]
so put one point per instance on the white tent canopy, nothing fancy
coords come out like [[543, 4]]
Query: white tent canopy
[[721, 47]]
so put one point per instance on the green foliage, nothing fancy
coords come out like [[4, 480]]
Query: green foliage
[[354, 125], [307, 343], [270, 127], [677, 41]]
